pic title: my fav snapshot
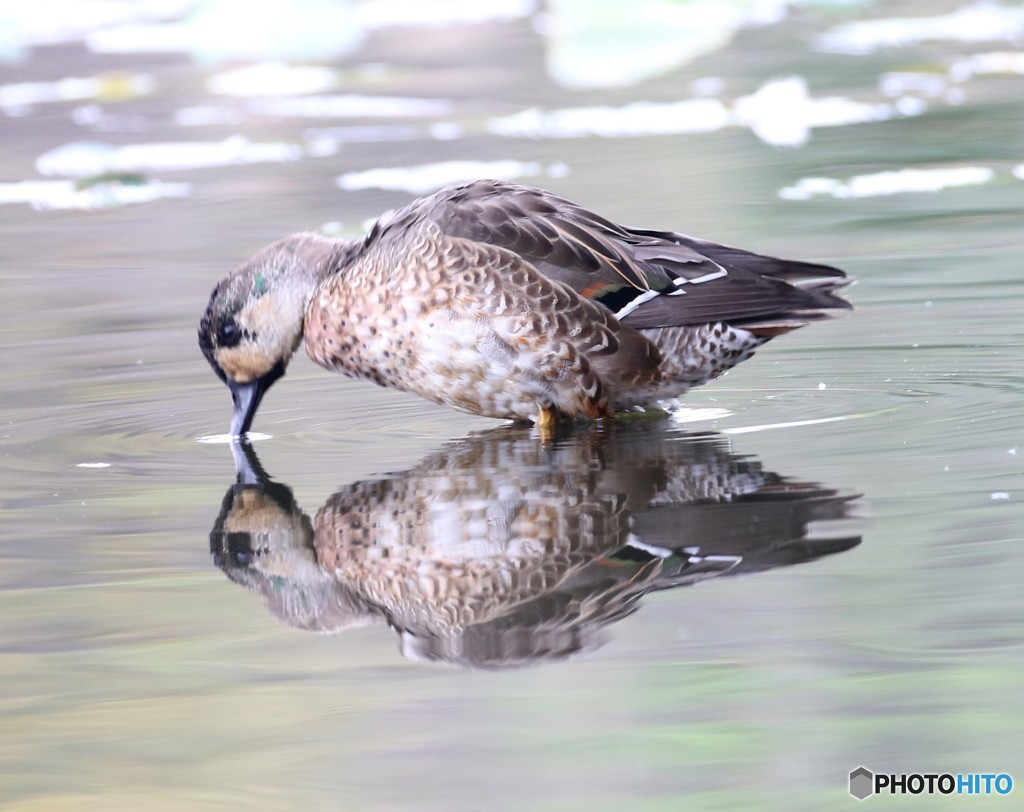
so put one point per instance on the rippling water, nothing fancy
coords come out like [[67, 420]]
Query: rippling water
[[815, 565]]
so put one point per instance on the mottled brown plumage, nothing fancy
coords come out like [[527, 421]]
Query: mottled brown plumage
[[496, 551], [510, 302]]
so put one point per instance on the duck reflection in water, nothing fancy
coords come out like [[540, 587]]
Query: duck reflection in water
[[497, 551]]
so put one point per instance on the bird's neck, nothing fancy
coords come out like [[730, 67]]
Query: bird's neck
[[315, 258]]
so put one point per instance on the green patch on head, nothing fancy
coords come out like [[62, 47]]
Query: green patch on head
[[259, 284]]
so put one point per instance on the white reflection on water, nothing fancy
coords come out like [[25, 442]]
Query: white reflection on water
[[290, 29], [988, 64], [227, 439], [785, 425], [698, 414], [930, 85], [429, 177], [980, 22], [82, 159], [349, 105], [49, 22], [66, 194], [382, 13], [635, 119], [15, 99], [239, 29], [781, 112], [270, 87], [941, 83], [273, 79], [879, 184], [609, 43]]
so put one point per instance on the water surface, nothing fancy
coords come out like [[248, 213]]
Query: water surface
[[137, 671]]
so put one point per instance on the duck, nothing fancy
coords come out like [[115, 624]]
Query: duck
[[507, 301]]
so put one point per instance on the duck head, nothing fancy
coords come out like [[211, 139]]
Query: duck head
[[254, 321]]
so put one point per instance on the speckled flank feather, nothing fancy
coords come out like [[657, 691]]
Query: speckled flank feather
[[692, 357], [507, 301], [474, 327]]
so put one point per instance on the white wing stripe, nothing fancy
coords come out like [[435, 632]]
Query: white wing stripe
[[646, 296], [709, 276]]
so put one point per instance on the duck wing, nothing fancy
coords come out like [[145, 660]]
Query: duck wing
[[646, 278]]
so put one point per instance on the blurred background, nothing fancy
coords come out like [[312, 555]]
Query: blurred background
[[150, 146]]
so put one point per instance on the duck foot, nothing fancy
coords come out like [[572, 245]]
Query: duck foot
[[547, 423]]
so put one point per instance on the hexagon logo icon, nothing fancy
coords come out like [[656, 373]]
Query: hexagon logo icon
[[862, 783]]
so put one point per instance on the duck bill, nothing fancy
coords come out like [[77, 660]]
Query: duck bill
[[246, 398]]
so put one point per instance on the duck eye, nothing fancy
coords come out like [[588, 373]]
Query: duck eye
[[228, 334]]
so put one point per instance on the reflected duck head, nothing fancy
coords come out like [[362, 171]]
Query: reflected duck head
[[254, 320]]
